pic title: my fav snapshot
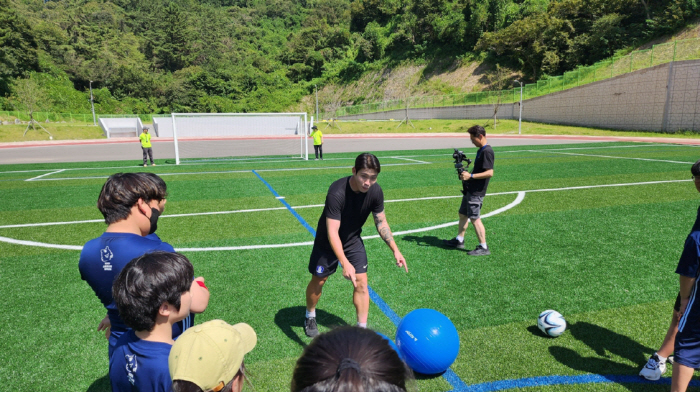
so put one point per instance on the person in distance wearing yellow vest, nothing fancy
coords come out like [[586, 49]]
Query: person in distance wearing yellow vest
[[318, 141], [145, 139]]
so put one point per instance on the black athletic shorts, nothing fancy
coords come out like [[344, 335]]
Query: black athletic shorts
[[677, 306], [324, 263]]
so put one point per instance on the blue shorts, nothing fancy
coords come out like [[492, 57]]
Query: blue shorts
[[686, 349]]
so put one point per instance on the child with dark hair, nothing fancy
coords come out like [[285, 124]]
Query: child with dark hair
[[131, 204], [152, 293], [350, 359]]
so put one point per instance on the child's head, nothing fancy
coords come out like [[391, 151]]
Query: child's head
[[122, 191], [209, 357], [154, 285], [350, 359]]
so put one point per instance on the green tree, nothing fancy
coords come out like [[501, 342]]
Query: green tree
[[18, 46]]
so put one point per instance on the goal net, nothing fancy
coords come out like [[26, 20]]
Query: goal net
[[200, 137]]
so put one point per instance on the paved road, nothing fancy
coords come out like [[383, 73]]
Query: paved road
[[128, 149]]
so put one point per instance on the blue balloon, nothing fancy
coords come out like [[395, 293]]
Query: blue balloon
[[428, 341], [391, 343]]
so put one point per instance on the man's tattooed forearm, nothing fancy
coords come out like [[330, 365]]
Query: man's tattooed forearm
[[386, 235]]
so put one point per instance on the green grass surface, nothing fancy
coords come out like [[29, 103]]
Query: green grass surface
[[604, 257]]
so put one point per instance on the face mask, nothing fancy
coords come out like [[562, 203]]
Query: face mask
[[154, 220]]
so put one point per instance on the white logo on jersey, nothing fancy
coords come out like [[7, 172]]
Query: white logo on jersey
[[106, 255], [131, 367]]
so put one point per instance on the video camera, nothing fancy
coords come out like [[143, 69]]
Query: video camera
[[459, 157]]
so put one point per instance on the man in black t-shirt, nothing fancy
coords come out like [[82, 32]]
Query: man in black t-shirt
[[475, 184], [348, 204]]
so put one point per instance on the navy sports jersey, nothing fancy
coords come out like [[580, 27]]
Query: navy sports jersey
[[351, 209], [484, 161], [103, 258], [688, 266], [139, 365]]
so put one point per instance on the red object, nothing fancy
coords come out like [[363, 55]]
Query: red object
[[201, 284]]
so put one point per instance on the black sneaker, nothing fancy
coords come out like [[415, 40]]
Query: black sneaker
[[310, 327], [479, 250], [454, 243]]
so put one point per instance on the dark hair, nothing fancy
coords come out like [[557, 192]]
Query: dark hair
[[350, 359], [367, 161], [121, 191], [695, 169], [188, 386], [477, 130], [146, 283]]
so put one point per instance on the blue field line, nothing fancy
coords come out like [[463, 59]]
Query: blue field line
[[449, 376], [281, 199], [565, 380]]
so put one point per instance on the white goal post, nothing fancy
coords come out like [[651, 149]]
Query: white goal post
[[217, 135]]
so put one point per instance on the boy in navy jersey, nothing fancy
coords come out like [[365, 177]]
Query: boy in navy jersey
[[687, 267], [152, 293], [349, 202], [130, 204], [686, 347]]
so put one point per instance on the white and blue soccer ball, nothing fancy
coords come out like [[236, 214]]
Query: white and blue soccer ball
[[551, 323]]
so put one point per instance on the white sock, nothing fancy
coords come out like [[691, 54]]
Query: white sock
[[310, 314], [661, 359], [484, 245], [460, 239], [362, 324]]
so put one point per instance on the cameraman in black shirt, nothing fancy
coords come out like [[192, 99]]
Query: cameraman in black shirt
[[475, 184]]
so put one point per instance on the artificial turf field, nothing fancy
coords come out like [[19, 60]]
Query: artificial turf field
[[591, 230]]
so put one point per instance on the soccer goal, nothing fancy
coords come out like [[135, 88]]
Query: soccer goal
[[230, 135]]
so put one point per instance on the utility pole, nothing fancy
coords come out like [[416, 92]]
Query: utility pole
[[92, 104], [520, 118], [316, 88]]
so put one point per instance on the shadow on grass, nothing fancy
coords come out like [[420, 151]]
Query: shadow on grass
[[605, 343], [100, 385], [288, 318], [431, 241]]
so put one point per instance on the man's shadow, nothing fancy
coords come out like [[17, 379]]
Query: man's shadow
[[288, 318], [605, 343], [431, 241]]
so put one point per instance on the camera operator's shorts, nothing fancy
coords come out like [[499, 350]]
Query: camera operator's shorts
[[324, 263], [471, 206]]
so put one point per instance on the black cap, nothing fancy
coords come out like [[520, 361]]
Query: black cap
[[314, 127]]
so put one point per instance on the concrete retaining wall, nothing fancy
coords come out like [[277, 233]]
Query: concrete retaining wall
[[661, 98]]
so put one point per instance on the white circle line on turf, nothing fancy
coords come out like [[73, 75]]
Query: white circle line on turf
[[518, 200], [252, 210]]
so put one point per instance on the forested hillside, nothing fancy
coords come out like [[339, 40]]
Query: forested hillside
[[161, 56]]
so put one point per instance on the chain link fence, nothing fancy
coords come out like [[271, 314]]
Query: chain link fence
[[636, 60]]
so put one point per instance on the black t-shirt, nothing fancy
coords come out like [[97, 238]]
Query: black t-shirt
[[484, 161], [351, 208]]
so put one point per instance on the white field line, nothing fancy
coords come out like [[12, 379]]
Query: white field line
[[232, 171], [213, 162], [521, 195], [44, 175], [622, 157], [331, 159], [252, 210], [412, 160]]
